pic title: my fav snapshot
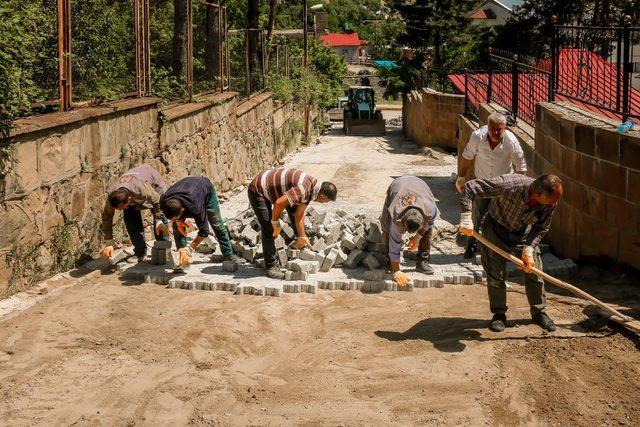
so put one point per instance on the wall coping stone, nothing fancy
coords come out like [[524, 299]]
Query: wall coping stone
[[33, 124], [179, 111], [251, 103]]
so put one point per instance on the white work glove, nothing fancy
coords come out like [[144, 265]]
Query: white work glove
[[460, 183], [527, 259], [400, 278], [109, 247], [466, 224], [277, 227], [185, 254]]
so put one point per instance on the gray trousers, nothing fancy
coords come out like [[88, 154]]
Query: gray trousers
[[496, 268]]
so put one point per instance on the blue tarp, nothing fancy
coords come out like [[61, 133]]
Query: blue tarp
[[384, 64]]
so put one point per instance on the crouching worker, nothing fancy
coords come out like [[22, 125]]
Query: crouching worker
[[195, 197], [273, 191], [520, 211], [409, 208], [137, 189]]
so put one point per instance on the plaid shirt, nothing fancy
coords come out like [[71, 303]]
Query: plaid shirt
[[509, 206]]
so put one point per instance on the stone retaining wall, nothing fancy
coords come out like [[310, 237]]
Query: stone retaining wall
[[55, 169], [430, 117]]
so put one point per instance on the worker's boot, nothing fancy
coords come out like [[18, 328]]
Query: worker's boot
[[498, 322], [471, 248], [422, 263], [274, 272], [544, 321], [231, 257]]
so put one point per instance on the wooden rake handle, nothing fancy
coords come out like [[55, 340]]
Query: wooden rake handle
[[548, 278]]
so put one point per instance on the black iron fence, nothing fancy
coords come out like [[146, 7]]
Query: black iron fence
[[590, 66]]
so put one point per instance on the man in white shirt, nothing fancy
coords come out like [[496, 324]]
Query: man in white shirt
[[496, 151]]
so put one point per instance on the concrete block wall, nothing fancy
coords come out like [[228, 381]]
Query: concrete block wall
[[599, 216], [55, 169], [430, 117]]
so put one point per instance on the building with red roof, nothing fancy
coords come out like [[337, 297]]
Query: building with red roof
[[347, 45]]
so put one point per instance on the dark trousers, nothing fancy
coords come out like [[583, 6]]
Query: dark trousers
[[424, 246], [263, 209], [496, 268], [135, 228], [217, 224]]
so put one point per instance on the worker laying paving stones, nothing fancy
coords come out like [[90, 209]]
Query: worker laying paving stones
[[195, 197], [138, 189], [496, 152], [520, 212], [275, 190], [410, 207]]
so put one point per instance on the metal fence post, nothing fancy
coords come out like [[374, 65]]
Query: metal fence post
[[554, 58], [189, 76], [489, 86], [246, 63], [626, 46], [466, 92], [64, 54], [141, 31], [514, 86]]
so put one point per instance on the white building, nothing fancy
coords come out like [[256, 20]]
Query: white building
[[493, 12]]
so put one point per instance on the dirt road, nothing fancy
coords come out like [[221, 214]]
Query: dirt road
[[109, 353]]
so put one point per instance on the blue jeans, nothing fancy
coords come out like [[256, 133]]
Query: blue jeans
[[135, 228]]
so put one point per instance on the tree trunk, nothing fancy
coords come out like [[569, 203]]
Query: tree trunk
[[180, 35], [273, 7], [212, 42], [255, 66]]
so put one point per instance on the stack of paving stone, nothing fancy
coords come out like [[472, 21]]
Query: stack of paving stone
[[337, 240]]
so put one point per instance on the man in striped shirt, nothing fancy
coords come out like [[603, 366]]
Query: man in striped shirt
[[275, 190], [520, 211]]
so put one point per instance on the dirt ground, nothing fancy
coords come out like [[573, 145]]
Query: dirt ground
[[104, 352]]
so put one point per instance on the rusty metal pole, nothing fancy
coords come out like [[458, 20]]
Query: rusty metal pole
[[246, 63], [306, 68], [141, 31], [226, 48], [220, 54], [263, 47], [64, 54], [189, 76]]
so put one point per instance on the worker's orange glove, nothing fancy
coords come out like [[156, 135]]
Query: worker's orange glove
[[302, 242], [400, 278], [527, 259], [185, 254], [414, 242], [109, 247], [466, 224], [277, 228], [162, 228], [183, 227]]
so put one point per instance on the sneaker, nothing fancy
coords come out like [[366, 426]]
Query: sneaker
[[275, 273], [544, 321], [471, 248], [498, 323], [423, 266]]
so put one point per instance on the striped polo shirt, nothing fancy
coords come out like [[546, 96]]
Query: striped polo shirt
[[297, 186]]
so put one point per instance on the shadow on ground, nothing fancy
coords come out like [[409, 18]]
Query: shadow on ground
[[448, 334]]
